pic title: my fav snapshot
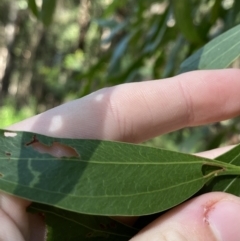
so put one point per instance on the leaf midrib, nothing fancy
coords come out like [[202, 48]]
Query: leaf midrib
[[106, 196], [104, 163]]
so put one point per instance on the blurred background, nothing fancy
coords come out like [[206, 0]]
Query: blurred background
[[55, 51]]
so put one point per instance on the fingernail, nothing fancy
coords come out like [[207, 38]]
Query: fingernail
[[224, 220]]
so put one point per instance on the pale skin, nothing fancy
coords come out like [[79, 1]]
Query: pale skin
[[135, 112]]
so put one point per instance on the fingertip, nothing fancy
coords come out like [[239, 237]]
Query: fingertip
[[224, 220], [8, 229], [207, 217]]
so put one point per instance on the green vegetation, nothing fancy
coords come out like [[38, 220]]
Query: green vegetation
[[64, 50], [56, 51]]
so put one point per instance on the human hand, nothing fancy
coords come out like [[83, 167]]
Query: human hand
[[135, 112]]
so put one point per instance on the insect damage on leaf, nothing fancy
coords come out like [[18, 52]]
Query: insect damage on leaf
[[103, 177], [56, 149], [8, 154], [8, 134]]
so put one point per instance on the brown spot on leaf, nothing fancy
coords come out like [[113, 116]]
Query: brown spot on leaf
[[56, 149], [112, 225], [103, 226], [34, 140], [1, 175], [8, 154]]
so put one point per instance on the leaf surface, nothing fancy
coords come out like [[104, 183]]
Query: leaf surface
[[81, 227], [47, 11], [185, 24], [33, 7], [107, 178], [217, 54], [229, 184]]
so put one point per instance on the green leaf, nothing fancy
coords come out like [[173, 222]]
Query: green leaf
[[33, 7], [114, 26], [81, 227], [119, 51], [171, 61], [154, 44], [102, 177], [233, 16], [217, 54], [184, 20], [215, 11], [47, 11], [229, 184], [112, 7]]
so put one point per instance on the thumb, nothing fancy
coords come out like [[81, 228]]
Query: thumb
[[211, 217]]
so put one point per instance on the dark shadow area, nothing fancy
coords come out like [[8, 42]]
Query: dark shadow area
[[228, 184]]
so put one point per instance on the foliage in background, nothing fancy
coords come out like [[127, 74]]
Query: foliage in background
[[52, 54]]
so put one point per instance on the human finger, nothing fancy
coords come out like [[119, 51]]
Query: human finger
[[214, 153], [16, 223], [135, 112], [138, 111], [9, 230], [210, 217]]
